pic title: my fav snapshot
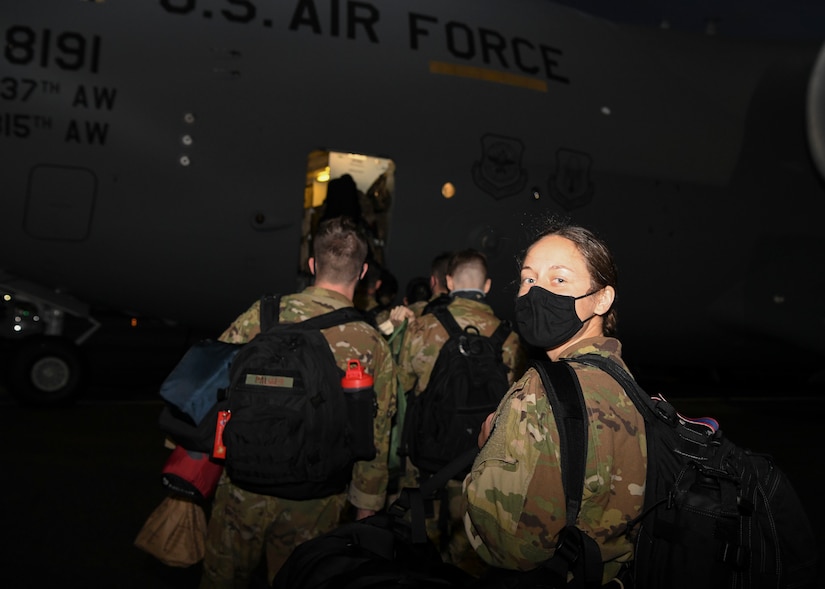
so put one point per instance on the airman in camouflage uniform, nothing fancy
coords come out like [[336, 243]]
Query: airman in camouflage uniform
[[245, 525], [426, 336], [409, 311], [514, 492], [422, 343], [438, 283]]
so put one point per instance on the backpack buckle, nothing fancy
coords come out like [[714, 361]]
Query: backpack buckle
[[465, 344], [567, 551]]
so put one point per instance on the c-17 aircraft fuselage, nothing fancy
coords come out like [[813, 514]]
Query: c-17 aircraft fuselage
[[161, 157]]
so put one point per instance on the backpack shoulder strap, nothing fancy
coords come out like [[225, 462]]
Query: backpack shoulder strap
[[336, 317], [649, 410], [575, 550], [501, 333], [442, 313], [569, 411], [412, 498], [441, 300], [609, 366], [371, 316], [269, 311]]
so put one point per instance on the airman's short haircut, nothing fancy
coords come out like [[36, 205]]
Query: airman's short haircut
[[469, 267], [340, 250]]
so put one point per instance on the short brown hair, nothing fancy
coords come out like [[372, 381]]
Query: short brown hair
[[468, 257], [340, 250], [469, 263]]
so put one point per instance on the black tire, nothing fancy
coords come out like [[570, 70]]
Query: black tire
[[46, 371]]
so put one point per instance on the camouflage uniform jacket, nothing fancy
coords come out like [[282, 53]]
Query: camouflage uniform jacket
[[376, 314], [514, 492], [350, 340], [417, 307], [426, 336]]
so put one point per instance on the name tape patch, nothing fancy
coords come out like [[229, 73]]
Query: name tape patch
[[265, 380]]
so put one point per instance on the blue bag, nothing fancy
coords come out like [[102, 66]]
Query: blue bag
[[193, 384]]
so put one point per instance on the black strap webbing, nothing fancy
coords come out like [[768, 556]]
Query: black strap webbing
[[453, 328], [499, 336], [270, 305], [447, 320], [441, 300], [570, 413], [575, 552], [637, 395], [412, 499], [270, 309]]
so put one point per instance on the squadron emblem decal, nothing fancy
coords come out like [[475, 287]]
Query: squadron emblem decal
[[571, 186], [499, 172]]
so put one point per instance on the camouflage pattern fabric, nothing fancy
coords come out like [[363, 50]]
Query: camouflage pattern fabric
[[382, 316], [234, 541], [400, 332], [514, 492], [244, 526], [418, 307], [422, 342], [426, 336], [379, 315], [396, 341]]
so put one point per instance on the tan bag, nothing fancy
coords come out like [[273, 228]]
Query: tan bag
[[175, 532]]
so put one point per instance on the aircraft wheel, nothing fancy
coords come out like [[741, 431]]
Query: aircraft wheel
[[46, 371]]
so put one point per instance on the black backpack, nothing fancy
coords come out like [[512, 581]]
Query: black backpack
[[468, 380], [715, 515], [286, 436], [387, 550]]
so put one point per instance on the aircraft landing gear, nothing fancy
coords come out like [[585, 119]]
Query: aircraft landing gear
[[46, 371]]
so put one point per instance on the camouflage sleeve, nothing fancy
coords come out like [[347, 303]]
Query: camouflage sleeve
[[418, 355], [369, 478], [514, 356], [245, 327], [406, 374], [514, 491], [410, 351], [517, 455]]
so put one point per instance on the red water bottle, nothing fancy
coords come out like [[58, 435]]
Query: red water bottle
[[355, 378], [361, 409]]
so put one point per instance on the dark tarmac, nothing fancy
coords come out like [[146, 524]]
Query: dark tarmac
[[80, 481]]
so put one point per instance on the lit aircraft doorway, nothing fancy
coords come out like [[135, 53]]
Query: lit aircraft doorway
[[370, 198]]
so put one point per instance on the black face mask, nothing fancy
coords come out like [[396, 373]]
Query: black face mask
[[547, 320]]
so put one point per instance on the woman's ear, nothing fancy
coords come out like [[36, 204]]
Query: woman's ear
[[604, 300]]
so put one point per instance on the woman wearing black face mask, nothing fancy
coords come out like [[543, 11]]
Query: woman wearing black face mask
[[514, 493]]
